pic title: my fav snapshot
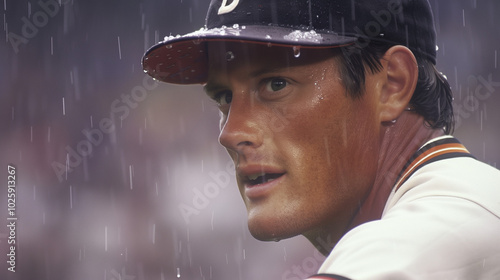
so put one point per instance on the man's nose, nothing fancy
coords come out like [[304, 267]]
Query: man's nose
[[243, 127]]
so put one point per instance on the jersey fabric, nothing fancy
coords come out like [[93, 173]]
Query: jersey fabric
[[441, 221]]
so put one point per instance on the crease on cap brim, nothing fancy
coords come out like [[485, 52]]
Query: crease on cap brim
[[183, 59]]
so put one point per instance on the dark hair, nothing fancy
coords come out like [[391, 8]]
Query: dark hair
[[432, 97]]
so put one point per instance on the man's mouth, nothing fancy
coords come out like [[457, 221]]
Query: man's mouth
[[258, 179]]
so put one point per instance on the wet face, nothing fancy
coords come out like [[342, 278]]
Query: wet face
[[305, 152]]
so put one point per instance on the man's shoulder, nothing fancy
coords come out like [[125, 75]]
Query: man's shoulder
[[442, 223], [461, 177]]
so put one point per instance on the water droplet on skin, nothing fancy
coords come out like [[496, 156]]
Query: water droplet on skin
[[296, 51], [269, 45], [229, 56], [276, 240], [168, 46]]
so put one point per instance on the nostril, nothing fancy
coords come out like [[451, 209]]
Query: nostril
[[245, 143]]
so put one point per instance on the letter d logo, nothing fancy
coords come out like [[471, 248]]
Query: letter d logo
[[224, 9]]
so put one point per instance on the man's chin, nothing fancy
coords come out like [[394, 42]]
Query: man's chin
[[269, 232]]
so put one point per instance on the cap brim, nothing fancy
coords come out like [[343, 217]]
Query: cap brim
[[183, 59]]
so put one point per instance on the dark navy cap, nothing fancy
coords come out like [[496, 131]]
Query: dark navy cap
[[302, 23]]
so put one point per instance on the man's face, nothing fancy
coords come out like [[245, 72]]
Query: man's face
[[305, 151]]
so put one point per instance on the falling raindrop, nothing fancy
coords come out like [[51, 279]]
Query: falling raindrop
[[64, 107], [296, 51], [51, 45], [229, 56], [463, 17], [178, 273], [106, 238], [154, 233], [131, 172], [119, 49]]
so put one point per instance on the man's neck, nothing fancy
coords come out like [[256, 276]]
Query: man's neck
[[399, 141]]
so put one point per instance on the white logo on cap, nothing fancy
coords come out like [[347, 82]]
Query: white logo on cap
[[224, 9]]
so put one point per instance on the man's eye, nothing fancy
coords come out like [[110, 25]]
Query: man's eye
[[223, 97], [276, 84]]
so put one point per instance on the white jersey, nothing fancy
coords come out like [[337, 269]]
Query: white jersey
[[442, 221]]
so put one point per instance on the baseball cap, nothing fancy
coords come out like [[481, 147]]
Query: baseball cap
[[295, 23]]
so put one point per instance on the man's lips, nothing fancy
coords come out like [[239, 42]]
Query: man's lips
[[259, 179], [258, 174], [262, 179]]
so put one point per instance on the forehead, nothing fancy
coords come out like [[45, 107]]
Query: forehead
[[226, 57]]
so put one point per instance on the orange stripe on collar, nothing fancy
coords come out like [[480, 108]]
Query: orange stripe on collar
[[437, 150]]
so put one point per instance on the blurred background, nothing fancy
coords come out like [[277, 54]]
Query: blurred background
[[151, 198]]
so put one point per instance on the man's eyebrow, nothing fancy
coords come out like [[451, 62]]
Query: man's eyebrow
[[265, 71]]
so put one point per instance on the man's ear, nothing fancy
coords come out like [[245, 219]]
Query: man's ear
[[400, 72]]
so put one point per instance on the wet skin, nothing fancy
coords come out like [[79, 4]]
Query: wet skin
[[306, 153]]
